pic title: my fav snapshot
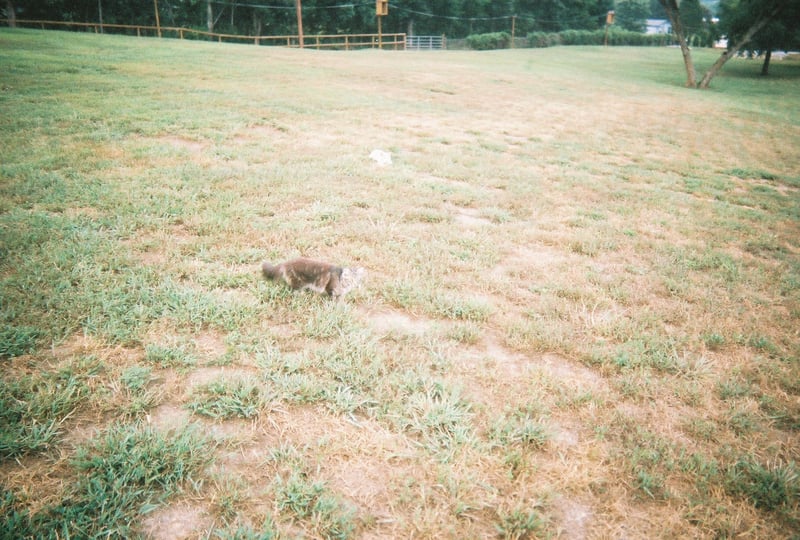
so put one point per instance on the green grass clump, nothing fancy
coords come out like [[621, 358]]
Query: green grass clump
[[313, 501], [176, 354], [519, 429], [33, 408], [120, 476], [519, 524], [18, 340], [434, 412], [771, 487], [223, 399]]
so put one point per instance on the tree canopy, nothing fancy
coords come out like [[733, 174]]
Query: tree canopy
[[744, 22], [454, 18]]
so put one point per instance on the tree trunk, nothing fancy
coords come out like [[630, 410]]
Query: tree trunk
[[671, 8], [100, 14], [731, 52], [765, 65], [11, 14], [210, 14], [298, 6]]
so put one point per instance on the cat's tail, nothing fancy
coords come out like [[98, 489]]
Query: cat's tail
[[270, 271]]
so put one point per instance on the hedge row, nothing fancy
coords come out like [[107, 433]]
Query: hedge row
[[502, 40], [598, 37], [487, 42]]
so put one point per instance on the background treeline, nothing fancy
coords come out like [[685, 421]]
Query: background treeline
[[453, 18]]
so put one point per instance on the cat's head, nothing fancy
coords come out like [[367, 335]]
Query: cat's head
[[352, 277]]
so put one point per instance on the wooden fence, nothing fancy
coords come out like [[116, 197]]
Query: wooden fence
[[315, 41]]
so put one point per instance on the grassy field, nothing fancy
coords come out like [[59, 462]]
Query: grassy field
[[580, 319]]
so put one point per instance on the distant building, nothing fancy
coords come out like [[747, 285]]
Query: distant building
[[658, 26]]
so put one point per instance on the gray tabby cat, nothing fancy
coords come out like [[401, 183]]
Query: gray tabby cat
[[318, 276]]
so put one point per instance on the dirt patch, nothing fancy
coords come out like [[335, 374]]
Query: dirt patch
[[561, 369], [182, 143], [168, 416], [260, 133], [177, 521], [509, 364], [470, 217], [574, 517], [564, 434], [530, 262], [76, 345], [210, 344], [387, 322], [557, 367]]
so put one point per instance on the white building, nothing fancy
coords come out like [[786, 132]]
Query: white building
[[658, 26]]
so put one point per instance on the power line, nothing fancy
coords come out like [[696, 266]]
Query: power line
[[419, 13], [288, 8]]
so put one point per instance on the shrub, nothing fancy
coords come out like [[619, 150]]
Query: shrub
[[544, 39], [488, 42]]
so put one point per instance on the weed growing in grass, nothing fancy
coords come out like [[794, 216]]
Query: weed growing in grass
[[136, 378], [465, 309], [18, 340], [774, 486], [468, 333], [519, 524], [306, 500], [177, 354], [33, 408], [267, 531], [290, 383], [518, 429], [120, 475], [434, 412], [329, 320], [225, 398], [141, 399]]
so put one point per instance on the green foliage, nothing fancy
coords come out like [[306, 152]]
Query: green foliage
[[32, 409], [520, 523], [315, 502], [770, 487], [246, 532], [614, 36], [434, 412], [122, 474], [519, 429], [488, 42], [227, 399], [17, 340], [135, 378], [175, 354]]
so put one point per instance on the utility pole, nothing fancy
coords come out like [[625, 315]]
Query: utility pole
[[299, 8], [381, 10]]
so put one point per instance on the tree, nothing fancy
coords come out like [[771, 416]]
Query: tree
[[673, 13], [631, 15], [10, 14], [746, 19], [782, 32]]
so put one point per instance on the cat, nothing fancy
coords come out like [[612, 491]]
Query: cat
[[318, 276]]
